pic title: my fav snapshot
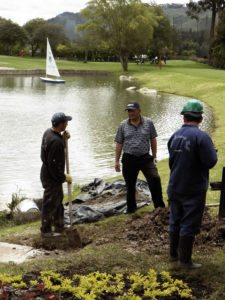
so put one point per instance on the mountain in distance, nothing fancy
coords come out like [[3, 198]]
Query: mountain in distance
[[69, 21], [176, 13]]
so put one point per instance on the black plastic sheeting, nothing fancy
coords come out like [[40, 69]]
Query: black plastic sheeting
[[101, 199]]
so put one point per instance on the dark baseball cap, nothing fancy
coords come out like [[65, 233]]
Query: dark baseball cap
[[133, 106], [60, 117]]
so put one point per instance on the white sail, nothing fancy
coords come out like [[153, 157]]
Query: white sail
[[51, 67]]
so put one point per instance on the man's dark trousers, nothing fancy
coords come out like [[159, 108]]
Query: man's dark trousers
[[131, 167], [186, 212], [52, 208]]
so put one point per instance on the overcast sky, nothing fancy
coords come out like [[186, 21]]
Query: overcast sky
[[21, 11]]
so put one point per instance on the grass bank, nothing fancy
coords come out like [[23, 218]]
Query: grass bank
[[104, 254], [28, 63], [188, 78]]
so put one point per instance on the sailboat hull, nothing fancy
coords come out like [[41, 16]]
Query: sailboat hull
[[52, 80]]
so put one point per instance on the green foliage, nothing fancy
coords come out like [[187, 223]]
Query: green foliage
[[64, 51], [38, 30], [162, 36], [31, 28], [217, 51], [194, 10], [102, 285], [216, 7], [5, 219], [55, 34], [11, 35], [16, 199], [125, 25]]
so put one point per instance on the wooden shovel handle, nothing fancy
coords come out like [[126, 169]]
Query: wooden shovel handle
[[69, 185]]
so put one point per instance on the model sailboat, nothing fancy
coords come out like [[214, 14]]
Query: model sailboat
[[51, 67]]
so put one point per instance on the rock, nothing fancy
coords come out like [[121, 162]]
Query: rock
[[147, 91], [126, 78], [123, 78], [131, 88]]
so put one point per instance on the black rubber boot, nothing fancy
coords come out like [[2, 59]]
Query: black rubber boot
[[174, 241], [185, 253]]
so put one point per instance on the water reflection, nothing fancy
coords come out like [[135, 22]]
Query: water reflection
[[97, 106]]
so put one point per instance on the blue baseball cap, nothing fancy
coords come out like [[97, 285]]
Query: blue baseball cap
[[60, 117], [133, 106]]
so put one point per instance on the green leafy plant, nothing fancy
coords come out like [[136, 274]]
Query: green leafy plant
[[16, 199], [97, 286]]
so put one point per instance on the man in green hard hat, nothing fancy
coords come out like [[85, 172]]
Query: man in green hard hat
[[191, 155]]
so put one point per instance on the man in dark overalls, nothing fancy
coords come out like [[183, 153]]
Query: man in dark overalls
[[135, 137], [52, 175], [191, 155]]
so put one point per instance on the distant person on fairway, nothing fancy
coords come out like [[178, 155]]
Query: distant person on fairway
[[52, 175], [191, 155], [136, 136]]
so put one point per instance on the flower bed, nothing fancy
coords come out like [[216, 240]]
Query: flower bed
[[53, 286]]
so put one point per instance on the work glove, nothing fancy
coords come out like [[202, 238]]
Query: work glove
[[69, 178], [66, 135]]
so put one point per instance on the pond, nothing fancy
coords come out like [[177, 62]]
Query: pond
[[97, 105]]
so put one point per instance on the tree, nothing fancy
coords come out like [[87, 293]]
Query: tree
[[217, 51], [163, 34], [31, 28], [216, 7], [38, 30], [125, 25], [11, 35], [89, 42], [55, 34]]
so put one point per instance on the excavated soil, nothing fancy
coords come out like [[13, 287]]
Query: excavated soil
[[150, 232], [147, 232]]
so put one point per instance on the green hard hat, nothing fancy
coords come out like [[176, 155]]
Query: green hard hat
[[193, 107]]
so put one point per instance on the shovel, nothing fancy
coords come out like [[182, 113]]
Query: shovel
[[72, 233], [69, 185]]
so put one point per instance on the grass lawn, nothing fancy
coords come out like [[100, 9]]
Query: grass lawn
[[28, 63], [195, 80], [178, 77]]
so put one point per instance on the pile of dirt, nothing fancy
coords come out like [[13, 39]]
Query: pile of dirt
[[212, 231], [150, 232]]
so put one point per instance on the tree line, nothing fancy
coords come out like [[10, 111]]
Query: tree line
[[119, 30], [113, 30], [217, 29], [29, 39]]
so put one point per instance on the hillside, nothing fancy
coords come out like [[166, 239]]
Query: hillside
[[176, 13], [69, 21], [179, 19]]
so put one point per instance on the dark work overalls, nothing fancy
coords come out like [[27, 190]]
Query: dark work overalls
[[52, 178], [191, 155]]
